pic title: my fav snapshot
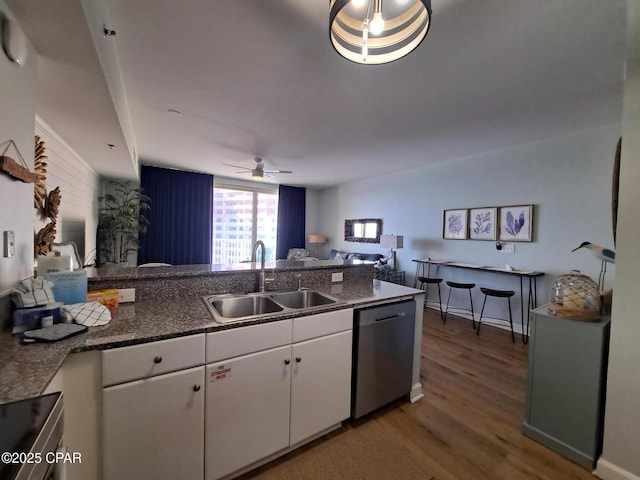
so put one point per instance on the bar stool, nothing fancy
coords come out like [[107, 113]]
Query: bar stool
[[431, 281], [467, 286], [488, 292]]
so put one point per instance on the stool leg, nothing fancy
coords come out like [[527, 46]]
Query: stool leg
[[426, 295], [440, 302], [480, 319], [473, 318], [447, 310], [513, 338]]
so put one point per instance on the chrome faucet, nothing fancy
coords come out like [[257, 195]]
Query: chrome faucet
[[254, 253]]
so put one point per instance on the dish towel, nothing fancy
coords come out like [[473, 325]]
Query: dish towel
[[91, 314]]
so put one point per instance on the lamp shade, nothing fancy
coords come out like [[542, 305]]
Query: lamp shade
[[314, 238], [355, 34], [391, 241]]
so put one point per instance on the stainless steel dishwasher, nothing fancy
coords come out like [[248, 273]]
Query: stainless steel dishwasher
[[382, 355]]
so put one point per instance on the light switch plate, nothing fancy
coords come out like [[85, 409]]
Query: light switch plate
[[508, 248], [9, 243]]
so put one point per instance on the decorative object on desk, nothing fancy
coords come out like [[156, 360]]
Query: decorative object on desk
[[317, 239], [483, 223], [392, 242], [40, 169], [575, 296], [516, 223], [601, 253], [454, 224], [120, 221], [364, 230], [12, 168]]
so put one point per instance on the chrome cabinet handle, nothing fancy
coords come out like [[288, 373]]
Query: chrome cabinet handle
[[196, 388], [298, 359], [157, 359], [287, 361]]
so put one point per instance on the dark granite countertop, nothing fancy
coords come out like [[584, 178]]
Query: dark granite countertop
[[26, 370], [136, 273]]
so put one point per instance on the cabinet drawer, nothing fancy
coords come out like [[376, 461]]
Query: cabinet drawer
[[124, 364], [244, 340], [305, 328]]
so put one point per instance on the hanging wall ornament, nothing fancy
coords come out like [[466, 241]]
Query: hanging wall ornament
[[40, 169], [12, 168]]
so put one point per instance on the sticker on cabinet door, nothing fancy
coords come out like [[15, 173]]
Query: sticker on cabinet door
[[220, 373]]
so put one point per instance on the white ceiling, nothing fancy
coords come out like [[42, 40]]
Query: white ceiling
[[260, 77]]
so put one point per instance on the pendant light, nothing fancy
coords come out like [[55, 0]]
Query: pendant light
[[378, 35]]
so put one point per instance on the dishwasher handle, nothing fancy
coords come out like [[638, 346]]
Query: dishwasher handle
[[373, 320]]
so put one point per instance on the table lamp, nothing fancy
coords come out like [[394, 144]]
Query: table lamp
[[317, 239], [392, 242]]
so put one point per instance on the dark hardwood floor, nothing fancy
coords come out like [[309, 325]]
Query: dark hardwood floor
[[467, 427]]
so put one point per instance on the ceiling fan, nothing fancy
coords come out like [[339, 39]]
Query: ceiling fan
[[258, 171]]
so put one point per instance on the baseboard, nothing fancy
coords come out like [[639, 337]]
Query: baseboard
[[608, 471], [416, 393], [581, 458], [487, 321]]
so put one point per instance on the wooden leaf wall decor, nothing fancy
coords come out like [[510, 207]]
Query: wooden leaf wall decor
[[40, 170], [44, 239]]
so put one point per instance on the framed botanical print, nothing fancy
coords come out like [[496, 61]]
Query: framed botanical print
[[516, 223], [454, 224], [483, 223]]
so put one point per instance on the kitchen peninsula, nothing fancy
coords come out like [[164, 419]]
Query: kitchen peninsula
[[169, 307]]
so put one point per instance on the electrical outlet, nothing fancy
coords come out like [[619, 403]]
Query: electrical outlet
[[9, 243], [127, 295], [508, 248], [336, 277]]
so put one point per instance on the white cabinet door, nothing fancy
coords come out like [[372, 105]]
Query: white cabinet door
[[320, 384], [154, 428], [247, 410]]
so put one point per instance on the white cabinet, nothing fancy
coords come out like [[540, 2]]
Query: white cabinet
[[247, 412], [265, 402], [154, 427], [320, 384]]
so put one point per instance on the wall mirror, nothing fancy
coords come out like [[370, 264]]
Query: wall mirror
[[366, 230]]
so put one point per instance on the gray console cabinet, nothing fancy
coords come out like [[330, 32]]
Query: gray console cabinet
[[566, 385]]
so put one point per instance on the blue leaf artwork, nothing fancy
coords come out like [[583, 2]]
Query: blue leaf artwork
[[482, 223], [455, 224], [514, 226]]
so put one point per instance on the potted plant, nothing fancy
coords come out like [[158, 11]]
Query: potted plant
[[120, 221]]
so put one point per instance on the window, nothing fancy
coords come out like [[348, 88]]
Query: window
[[241, 216]]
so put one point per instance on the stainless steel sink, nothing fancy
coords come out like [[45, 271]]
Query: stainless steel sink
[[302, 299], [231, 308]]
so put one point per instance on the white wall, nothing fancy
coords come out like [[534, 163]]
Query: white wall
[[620, 458], [568, 180], [17, 118], [79, 185]]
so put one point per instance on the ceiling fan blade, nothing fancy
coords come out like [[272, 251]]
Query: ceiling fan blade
[[238, 166], [278, 171]]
